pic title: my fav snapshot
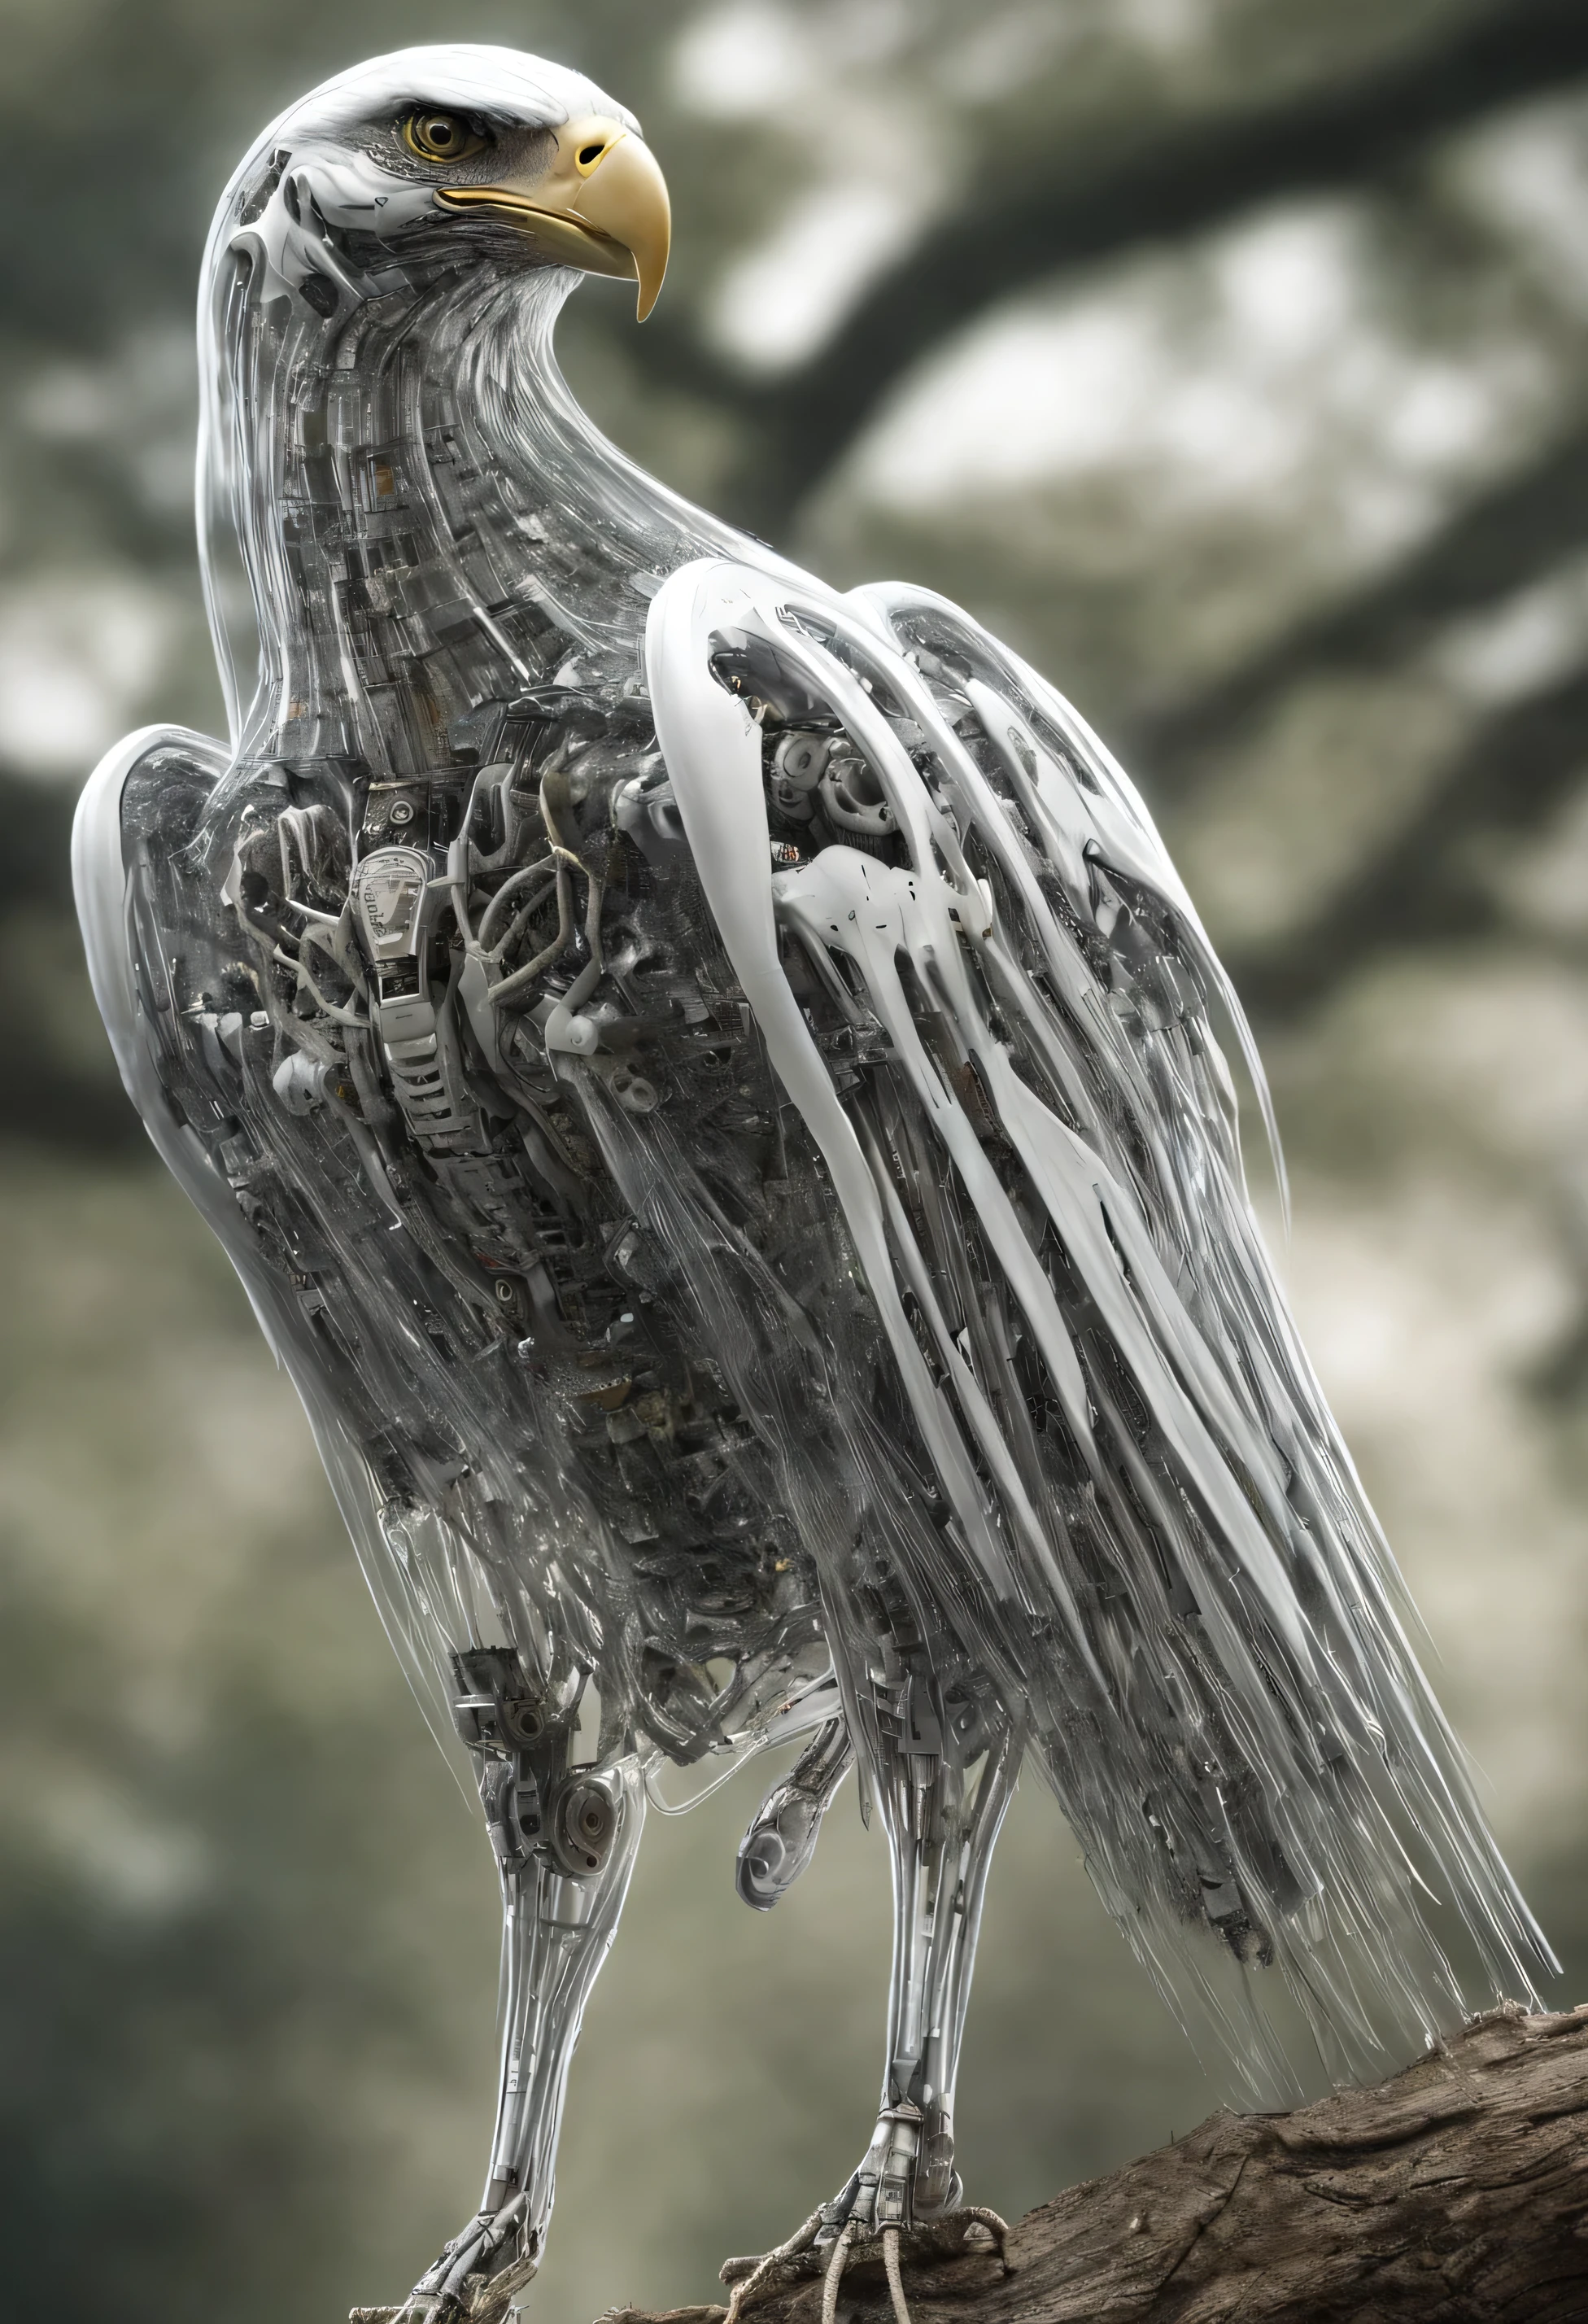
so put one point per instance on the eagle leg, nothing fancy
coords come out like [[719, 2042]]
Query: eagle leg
[[943, 1818], [557, 1930]]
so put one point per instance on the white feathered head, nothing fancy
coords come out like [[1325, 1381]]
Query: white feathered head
[[473, 181], [455, 152]]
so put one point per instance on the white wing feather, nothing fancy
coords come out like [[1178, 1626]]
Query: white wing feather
[[1181, 1579]]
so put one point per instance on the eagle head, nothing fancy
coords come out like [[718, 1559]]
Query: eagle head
[[445, 157]]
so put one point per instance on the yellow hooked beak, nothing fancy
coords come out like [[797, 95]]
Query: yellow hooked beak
[[600, 204]]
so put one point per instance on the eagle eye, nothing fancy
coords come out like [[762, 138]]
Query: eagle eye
[[441, 137]]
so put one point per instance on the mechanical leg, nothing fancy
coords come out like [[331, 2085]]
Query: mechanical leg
[[942, 1821], [943, 1818], [566, 1839]]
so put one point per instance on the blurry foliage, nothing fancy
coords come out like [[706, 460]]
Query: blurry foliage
[[1226, 355]]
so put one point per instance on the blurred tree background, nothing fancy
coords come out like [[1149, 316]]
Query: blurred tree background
[[1228, 356]]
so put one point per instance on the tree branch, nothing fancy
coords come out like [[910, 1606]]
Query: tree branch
[[1456, 2193], [1505, 538], [1166, 185], [1428, 886], [50, 1092]]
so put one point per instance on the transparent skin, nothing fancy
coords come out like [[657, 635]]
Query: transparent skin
[[712, 1089]]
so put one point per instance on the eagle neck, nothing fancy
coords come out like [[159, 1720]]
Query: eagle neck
[[417, 522]]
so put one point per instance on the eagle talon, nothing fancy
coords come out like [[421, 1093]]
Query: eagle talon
[[843, 2229], [748, 2276], [947, 2237], [411, 2310], [461, 2286]]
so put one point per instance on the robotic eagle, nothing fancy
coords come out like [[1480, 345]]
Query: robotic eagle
[[714, 1089]]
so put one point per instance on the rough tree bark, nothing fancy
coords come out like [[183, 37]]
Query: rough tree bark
[[1456, 2193]]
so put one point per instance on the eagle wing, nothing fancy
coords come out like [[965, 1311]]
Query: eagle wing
[[478, 1526], [190, 1075], [1091, 1444]]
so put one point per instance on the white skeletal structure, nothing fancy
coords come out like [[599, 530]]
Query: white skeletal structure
[[713, 1088]]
